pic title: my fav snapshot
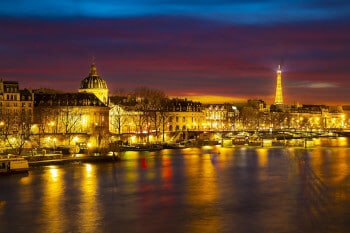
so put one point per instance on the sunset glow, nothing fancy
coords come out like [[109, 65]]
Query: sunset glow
[[213, 49]]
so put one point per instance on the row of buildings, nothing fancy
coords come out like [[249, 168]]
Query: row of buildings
[[92, 118]]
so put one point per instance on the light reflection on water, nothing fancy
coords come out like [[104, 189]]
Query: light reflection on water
[[208, 189], [53, 193]]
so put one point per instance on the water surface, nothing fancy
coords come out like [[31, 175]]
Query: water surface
[[197, 190]]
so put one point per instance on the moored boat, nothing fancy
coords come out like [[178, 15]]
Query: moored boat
[[13, 165]]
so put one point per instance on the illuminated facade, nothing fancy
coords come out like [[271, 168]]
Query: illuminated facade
[[279, 95], [220, 117], [16, 108], [69, 114], [346, 116], [175, 116], [184, 115], [310, 117]]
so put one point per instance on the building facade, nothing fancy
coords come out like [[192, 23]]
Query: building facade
[[221, 117], [16, 115], [155, 125], [16, 106]]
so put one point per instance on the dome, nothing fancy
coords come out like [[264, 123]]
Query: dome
[[93, 81]]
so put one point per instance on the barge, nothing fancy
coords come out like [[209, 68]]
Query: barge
[[13, 165]]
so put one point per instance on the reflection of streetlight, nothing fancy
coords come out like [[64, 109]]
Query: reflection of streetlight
[[54, 173]]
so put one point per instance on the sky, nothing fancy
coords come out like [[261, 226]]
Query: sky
[[209, 51]]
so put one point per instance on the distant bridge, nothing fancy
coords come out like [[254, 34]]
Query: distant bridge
[[278, 134]]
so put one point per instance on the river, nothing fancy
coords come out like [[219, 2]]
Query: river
[[195, 190]]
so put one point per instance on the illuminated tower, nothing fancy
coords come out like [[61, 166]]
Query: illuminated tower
[[279, 95]]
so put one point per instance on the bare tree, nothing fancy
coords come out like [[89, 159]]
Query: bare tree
[[69, 117], [249, 117], [15, 129], [46, 119], [151, 103], [280, 119], [8, 125], [164, 119], [119, 92], [117, 118]]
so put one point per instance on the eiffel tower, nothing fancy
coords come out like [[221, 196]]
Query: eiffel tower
[[279, 95]]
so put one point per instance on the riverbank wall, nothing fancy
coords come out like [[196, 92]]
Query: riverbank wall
[[54, 160]]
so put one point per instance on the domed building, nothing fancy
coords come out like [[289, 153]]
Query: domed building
[[74, 119], [95, 84]]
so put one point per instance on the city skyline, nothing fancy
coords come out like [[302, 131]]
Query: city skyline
[[187, 49]]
